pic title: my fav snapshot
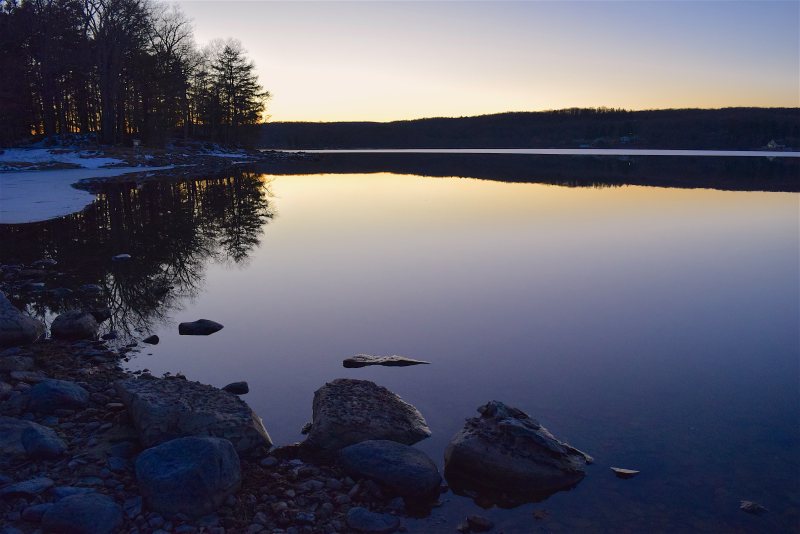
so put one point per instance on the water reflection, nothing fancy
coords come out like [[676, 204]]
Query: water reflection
[[173, 230]]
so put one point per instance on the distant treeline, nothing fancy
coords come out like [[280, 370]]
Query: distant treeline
[[729, 128], [724, 173], [121, 69]]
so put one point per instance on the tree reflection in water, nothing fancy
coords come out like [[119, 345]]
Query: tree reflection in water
[[172, 230]]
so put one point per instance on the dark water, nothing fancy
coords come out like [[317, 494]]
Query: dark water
[[654, 328]]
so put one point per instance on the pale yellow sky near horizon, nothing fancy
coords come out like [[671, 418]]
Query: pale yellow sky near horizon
[[381, 61]]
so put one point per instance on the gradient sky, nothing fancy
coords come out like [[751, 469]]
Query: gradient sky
[[376, 60]]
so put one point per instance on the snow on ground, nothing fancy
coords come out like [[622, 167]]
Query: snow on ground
[[42, 156], [32, 196]]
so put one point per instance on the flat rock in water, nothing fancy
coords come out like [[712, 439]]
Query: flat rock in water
[[237, 388], [169, 408], [192, 476], [26, 488], [362, 520], [201, 327], [505, 452], [624, 473], [90, 513], [50, 395], [17, 328], [348, 411], [74, 324], [151, 340], [25, 439], [752, 507], [363, 360], [398, 468]]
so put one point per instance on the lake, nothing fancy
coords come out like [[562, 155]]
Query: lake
[[655, 328]]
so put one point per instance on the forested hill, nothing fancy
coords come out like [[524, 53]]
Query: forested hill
[[729, 128]]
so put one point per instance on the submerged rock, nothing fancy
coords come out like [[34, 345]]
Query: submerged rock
[[504, 454], [362, 520], [201, 327], [74, 324], [16, 328], [400, 469], [363, 360], [164, 409], [192, 476], [90, 513], [26, 439], [50, 395], [624, 473], [348, 411]]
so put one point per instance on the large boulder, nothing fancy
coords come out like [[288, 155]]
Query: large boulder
[[348, 411], [16, 328], [505, 452], [191, 476], [169, 408], [49, 395], [364, 360], [89, 513], [74, 324], [398, 468], [26, 439]]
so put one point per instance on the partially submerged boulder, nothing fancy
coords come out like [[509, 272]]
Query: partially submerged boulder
[[348, 411], [200, 327], [504, 453], [169, 408], [74, 324], [191, 476], [25, 439], [363, 360], [398, 468], [16, 328]]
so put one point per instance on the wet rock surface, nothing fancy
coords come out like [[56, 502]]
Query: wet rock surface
[[364, 360], [399, 469], [348, 411], [17, 328], [165, 409], [237, 388], [191, 476], [504, 454]]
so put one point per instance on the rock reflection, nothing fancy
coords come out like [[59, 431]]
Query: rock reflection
[[172, 230]]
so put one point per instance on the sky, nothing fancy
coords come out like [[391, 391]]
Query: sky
[[397, 60]]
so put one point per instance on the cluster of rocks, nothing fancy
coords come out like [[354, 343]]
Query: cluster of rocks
[[88, 447]]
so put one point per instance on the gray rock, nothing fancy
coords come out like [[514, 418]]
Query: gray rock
[[74, 324], [34, 513], [192, 476], [16, 328], [363, 360], [362, 520], [504, 450], [26, 439], [61, 492], [5, 390], [30, 377], [26, 488], [91, 513], [752, 507], [50, 395], [237, 388], [348, 411], [201, 327], [151, 340], [400, 469], [478, 523], [164, 409]]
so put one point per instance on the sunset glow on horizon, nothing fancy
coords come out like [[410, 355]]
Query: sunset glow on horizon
[[382, 61]]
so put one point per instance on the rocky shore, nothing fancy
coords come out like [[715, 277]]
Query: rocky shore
[[89, 447]]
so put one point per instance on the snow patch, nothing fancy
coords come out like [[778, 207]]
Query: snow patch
[[41, 156]]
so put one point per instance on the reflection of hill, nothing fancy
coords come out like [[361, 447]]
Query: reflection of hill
[[735, 174], [171, 229]]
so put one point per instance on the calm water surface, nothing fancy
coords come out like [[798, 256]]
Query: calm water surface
[[654, 328]]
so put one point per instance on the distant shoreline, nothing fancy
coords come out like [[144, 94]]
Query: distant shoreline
[[558, 152]]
